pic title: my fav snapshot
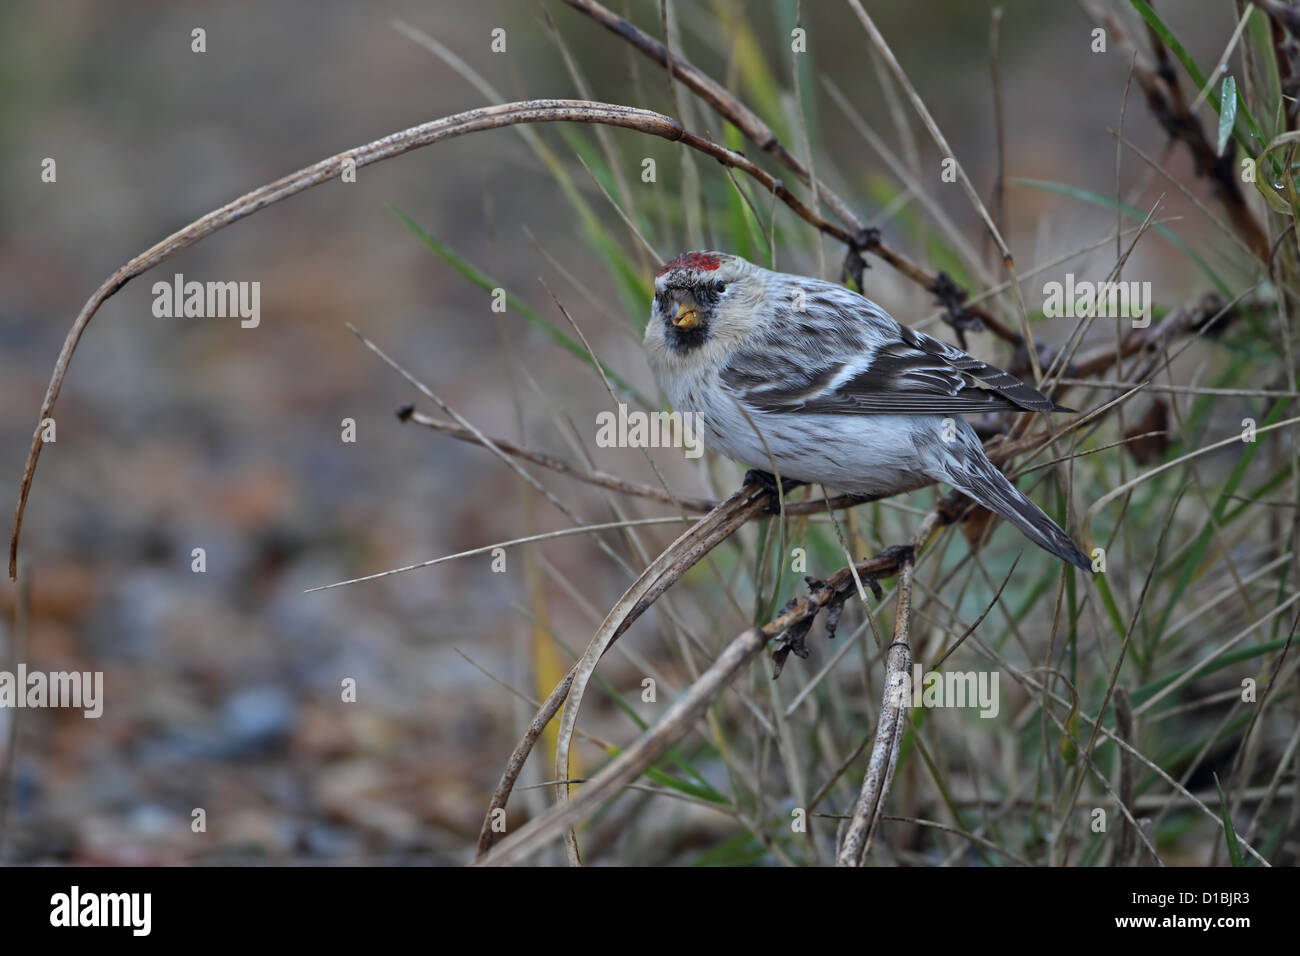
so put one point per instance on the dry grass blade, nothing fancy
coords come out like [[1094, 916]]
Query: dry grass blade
[[613, 482], [598, 478], [1147, 475], [882, 47], [512, 543]]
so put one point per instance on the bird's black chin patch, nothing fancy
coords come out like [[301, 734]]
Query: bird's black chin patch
[[684, 340]]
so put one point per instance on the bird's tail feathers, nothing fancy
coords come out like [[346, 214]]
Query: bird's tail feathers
[[980, 480]]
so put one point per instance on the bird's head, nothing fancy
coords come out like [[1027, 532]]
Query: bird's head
[[702, 298]]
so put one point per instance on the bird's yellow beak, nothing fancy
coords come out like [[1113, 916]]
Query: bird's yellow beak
[[686, 318]]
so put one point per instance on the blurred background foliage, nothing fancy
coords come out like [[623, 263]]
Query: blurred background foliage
[[223, 688]]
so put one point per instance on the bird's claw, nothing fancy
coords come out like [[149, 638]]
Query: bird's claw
[[767, 481]]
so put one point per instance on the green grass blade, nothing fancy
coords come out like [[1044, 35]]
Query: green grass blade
[[1146, 691], [1229, 832]]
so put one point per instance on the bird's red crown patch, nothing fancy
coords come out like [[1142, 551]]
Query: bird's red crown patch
[[698, 261]]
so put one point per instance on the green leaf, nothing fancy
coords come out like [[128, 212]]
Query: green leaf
[[1227, 112], [665, 779], [742, 849], [1069, 752], [704, 791], [1259, 37], [746, 234]]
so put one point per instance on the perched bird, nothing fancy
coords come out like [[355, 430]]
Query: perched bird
[[841, 393]]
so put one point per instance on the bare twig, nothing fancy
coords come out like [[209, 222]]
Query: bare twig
[[717, 96], [889, 732]]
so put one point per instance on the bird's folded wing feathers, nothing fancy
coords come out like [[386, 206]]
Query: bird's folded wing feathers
[[908, 373]]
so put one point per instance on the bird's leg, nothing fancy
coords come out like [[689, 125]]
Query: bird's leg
[[767, 481]]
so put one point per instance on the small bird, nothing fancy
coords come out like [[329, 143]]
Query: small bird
[[841, 393]]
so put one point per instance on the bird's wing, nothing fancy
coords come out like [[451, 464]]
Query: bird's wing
[[869, 365]]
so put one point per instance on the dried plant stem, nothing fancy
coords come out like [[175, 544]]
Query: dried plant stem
[[893, 709], [889, 734]]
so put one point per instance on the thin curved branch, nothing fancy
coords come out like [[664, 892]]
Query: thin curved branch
[[459, 124]]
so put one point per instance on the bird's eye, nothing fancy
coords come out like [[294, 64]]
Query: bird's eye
[[719, 286]]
